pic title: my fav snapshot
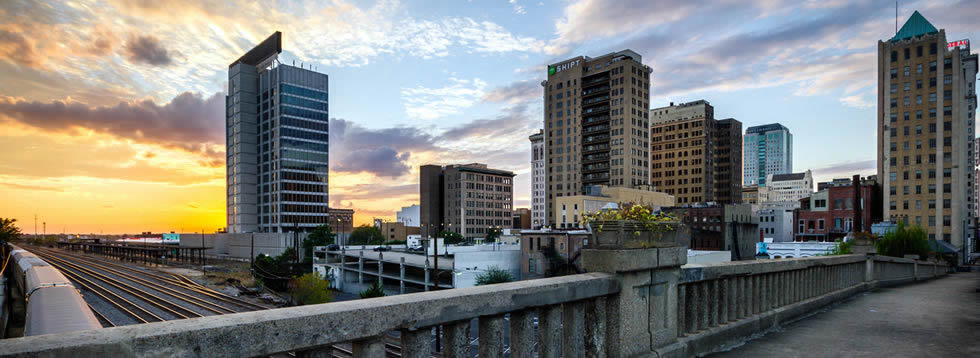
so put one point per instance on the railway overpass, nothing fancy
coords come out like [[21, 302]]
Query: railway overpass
[[631, 303]]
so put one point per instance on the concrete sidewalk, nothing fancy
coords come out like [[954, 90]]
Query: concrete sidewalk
[[940, 318]]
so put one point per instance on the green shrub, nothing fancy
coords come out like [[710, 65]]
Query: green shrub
[[902, 241], [376, 290], [841, 248], [310, 289], [493, 275]]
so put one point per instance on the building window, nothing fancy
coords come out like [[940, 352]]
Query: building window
[[932, 221], [907, 71]]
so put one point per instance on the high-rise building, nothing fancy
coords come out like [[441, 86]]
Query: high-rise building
[[277, 143], [469, 199], [694, 157], [682, 151], [728, 161], [538, 196], [597, 126], [926, 107], [768, 149]]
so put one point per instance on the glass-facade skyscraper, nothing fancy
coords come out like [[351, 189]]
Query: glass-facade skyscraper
[[277, 143], [767, 149]]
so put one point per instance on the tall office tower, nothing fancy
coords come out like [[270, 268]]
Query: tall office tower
[[976, 170], [469, 199], [597, 128], [538, 218], [682, 151], [768, 150], [277, 147], [728, 161], [926, 107]]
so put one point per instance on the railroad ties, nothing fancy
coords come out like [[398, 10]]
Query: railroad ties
[[119, 294], [140, 296]]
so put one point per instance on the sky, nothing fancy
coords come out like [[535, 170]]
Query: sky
[[112, 111]]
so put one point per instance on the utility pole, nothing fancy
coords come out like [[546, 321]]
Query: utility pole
[[35, 226], [204, 268], [251, 253]]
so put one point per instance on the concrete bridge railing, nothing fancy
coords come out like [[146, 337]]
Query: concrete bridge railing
[[633, 303], [722, 304]]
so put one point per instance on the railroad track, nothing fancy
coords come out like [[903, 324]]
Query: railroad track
[[146, 296], [140, 295]]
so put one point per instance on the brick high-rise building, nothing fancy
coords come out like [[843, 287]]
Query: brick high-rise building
[[682, 150], [597, 125], [926, 107], [696, 158], [728, 161], [468, 199]]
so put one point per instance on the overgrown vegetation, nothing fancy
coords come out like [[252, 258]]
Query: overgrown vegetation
[[558, 265], [310, 289], [904, 241], [376, 290], [366, 235], [645, 215], [841, 248], [493, 275], [275, 272], [451, 237]]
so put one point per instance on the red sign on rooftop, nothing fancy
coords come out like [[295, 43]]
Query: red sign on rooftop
[[954, 44]]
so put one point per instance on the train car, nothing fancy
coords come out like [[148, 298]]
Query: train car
[[54, 305]]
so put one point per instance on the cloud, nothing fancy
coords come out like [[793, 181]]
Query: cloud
[[18, 49], [32, 187], [517, 92], [847, 169], [190, 121], [515, 120], [432, 103], [381, 152], [148, 50], [857, 101]]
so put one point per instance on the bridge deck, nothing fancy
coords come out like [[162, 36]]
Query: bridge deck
[[938, 318]]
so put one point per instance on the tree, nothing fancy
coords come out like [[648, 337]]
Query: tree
[[376, 290], [310, 289], [493, 234], [366, 235], [8, 230], [451, 237], [320, 236], [902, 241], [493, 275]]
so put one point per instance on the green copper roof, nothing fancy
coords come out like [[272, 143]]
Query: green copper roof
[[915, 26]]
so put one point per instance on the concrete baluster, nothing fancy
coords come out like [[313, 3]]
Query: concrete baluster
[[417, 343], [714, 303], [492, 336], [549, 332], [522, 333], [456, 340], [704, 305], [573, 327], [373, 347], [692, 307], [682, 310], [595, 328]]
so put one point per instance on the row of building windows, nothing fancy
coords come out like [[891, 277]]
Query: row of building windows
[[305, 92]]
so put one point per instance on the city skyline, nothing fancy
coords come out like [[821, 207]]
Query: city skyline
[[120, 127]]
